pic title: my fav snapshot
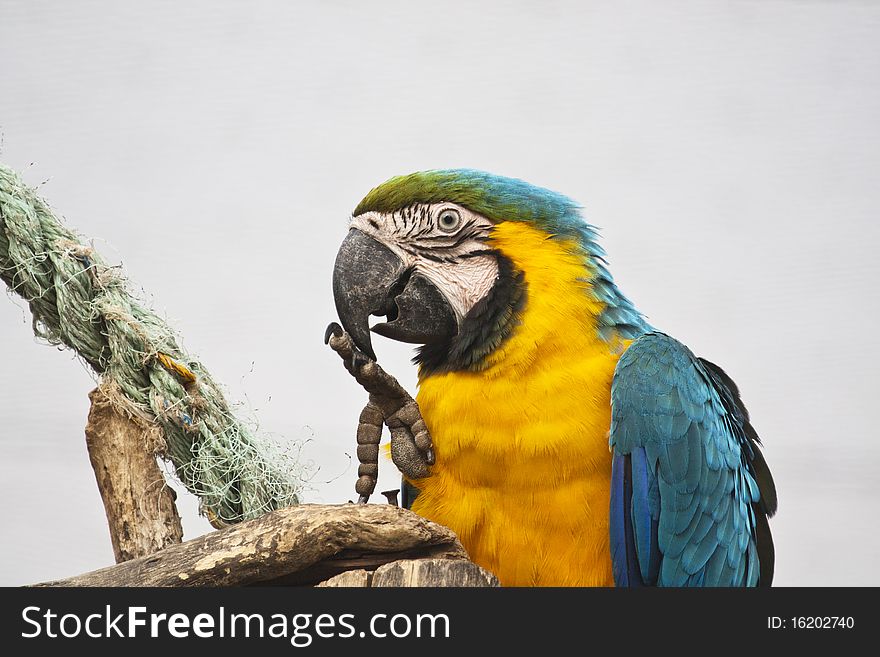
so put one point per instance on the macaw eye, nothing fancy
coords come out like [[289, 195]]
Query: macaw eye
[[449, 220]]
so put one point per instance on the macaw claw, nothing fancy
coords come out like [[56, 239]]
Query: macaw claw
[[358, 360], [333, 329], [411, 447], [391, 496]]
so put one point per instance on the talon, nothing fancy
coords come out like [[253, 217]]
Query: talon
[[333, 329], [358, 360], [389, 403], [391, 496]]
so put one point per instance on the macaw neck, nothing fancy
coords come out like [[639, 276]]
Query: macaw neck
[[560, 305]]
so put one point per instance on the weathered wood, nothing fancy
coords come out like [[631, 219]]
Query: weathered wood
[[139, 505], [295, 545], [359, 579], [417, 573], [433, 573], [354, 559]]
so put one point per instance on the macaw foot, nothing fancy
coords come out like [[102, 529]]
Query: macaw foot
[[411, 448]]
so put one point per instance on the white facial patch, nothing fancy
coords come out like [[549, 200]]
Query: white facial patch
[[463, 283], [444, 242]]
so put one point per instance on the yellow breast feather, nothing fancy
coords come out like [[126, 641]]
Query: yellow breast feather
[[523, 469]]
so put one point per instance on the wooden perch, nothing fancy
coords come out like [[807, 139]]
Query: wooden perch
[[299, 545], [417, 572], [139, 504]]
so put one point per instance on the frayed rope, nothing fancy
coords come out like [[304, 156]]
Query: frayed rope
[[79, 301]]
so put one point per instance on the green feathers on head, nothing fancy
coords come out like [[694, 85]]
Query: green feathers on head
[[495, 197]]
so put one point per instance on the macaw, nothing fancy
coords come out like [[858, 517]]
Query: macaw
[[573, 443]]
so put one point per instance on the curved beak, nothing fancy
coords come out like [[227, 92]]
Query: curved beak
[[370, 279]]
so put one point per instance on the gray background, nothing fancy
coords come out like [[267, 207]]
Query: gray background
[[729, 151]]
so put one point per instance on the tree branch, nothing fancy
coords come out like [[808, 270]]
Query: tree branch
[[298, 545]]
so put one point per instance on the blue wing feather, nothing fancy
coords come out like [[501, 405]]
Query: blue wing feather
[[618, 541], [623, 550], [689, 485]]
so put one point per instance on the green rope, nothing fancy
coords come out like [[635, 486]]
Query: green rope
[[79, 301]]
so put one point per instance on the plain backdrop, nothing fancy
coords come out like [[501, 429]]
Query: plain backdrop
[[728, 150]]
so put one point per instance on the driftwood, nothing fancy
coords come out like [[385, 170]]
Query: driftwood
[[336, 546], [432, 572], [300, 545], [139, 505], [417, 572]]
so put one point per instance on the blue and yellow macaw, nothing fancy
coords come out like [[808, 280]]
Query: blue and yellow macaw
[[532, 363]]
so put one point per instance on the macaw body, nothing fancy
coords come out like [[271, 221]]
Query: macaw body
[[523, 443], [574, 445]]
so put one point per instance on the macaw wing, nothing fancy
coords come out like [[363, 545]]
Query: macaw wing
[[690, 491]]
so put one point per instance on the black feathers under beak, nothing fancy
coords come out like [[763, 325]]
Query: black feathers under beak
[[369, 279]]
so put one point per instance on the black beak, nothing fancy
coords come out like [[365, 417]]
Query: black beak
[[369, 279]]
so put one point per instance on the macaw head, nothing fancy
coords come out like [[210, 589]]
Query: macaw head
[[430, 252]]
